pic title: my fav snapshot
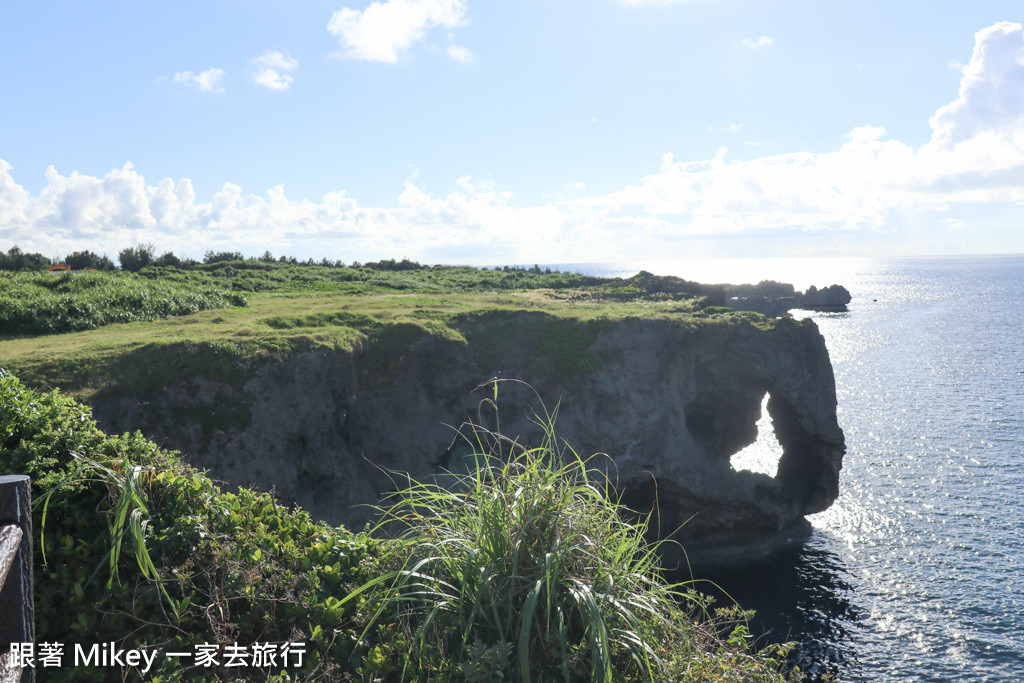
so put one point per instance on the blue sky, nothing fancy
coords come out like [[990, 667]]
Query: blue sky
[[478, 131]]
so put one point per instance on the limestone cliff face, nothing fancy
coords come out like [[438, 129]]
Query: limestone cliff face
[[669, 403]]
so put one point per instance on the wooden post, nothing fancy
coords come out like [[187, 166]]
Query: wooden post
[[17, 606]]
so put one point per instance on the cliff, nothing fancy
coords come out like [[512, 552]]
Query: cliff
[[667, 400]]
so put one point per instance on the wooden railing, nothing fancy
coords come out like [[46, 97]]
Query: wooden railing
[[17, 614]]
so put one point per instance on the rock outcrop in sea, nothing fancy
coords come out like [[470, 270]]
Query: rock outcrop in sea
[[767, 297], [775, 298], [667, 401]]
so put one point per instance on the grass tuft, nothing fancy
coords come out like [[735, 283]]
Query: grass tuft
[[527, 570]]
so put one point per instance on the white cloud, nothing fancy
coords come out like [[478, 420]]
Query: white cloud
[[961, 188], [991, 91], [270, 78], [471, 185], [459, 53], [86, 206], [14, 200], [275, 59], [272, 70], [384, 30], [208, 80], [756, 43]]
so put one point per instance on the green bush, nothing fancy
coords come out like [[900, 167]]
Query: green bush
[[134, 259], [80, 260], [137, 548], [383, 276], [16, 259], [49, 303]]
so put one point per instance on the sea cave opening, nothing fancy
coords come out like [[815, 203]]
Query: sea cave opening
[[764, 454]]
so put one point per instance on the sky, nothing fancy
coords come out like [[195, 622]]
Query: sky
[[500, 132]]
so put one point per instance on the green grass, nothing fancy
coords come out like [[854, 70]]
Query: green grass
[[48, 303], [286, 280], [301, 308]]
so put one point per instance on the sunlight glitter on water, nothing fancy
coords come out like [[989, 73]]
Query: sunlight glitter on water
[[914, 573]]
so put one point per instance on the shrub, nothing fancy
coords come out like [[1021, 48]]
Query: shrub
[[48, 303], [134, 259], [527, 570], [139, 549], [16, 259], [80, 260], [222, 256], [167, 259]]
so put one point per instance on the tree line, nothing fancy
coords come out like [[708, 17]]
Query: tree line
[[134, 259]]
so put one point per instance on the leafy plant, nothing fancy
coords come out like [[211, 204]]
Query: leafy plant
[[130, 517], [50, 303], [137, 548]]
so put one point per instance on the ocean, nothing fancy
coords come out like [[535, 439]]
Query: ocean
[[916, 572]]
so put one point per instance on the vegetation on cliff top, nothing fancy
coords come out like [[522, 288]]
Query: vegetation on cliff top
[[226, 319], [48, 303], [526, 572]]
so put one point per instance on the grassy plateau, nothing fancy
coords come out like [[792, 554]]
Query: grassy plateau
[[111, 330], [523, 570]]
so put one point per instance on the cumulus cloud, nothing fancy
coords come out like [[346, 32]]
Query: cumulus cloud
[[208, 80], [14, 200], [86, 207], [272, 70], [871, 185], [384, 30], [459, 53], [854, 187], [991, 95], [756, 43]]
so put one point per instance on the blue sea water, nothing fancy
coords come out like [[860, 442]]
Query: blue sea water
[[916, 573]]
